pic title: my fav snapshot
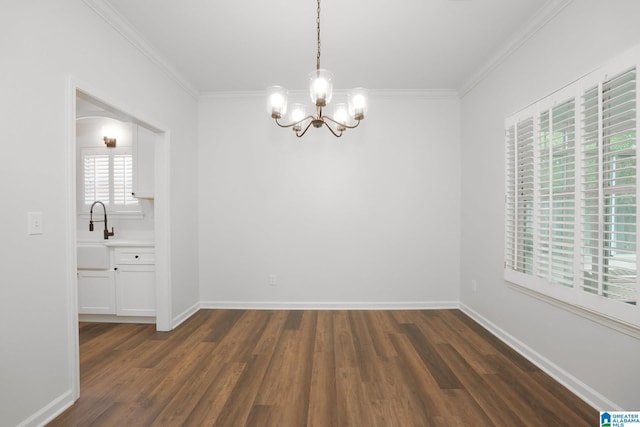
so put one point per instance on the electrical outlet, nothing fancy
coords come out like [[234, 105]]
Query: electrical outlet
[[474, 285], [273, 280], [34, 223]]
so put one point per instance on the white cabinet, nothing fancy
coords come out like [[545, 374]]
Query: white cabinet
[[96, 292], [143, 162], [125, 287], [135, 281]]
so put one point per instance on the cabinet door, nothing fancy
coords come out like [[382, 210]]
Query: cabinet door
[[136, 290], [144, 162], [96, 292]]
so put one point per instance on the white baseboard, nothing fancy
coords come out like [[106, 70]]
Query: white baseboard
[[291, 305], [112, 318], [49, 412], [580, 389], [180, 318]]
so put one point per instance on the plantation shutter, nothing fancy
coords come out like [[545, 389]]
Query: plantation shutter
[[96, 178], [519, 196], [556, 194], [510, 199], [609, 220], [123, 180], [524, 194], [108, 177]]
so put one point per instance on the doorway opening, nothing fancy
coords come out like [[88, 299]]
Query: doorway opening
[[137, 228], [115, 201]]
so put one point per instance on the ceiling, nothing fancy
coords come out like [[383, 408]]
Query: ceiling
[[247, 45]]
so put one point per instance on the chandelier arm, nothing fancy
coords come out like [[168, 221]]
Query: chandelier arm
[[294, 123], [299, 135], [337, 135], [342, 124]]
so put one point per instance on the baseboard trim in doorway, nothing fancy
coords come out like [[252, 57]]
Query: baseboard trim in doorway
[[112, 318], [180, 318]]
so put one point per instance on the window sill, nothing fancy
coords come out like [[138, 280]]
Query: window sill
[[585, 313], [133, 215]]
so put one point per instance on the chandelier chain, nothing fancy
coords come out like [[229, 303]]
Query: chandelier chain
[[318, 29]]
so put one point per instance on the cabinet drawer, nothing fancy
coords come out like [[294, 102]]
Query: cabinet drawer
[[135, 256]]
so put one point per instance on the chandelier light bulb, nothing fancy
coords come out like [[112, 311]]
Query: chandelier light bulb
[[276, 101], [358, 103], [297, 114], [340, 114], [321, 87]]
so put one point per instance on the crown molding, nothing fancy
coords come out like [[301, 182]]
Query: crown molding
[[112, 17], [549, 11], [416, 93], [232, 94], [384, 93]]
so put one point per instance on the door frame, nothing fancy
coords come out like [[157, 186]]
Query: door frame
[[162, 214]]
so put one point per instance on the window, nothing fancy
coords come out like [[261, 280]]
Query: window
[[107, 176], [571, 190], [609, 213], [556, 197]]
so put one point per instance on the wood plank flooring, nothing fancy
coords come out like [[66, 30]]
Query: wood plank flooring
[[313, 368]]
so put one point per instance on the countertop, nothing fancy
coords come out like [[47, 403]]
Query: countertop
[[119, 243]]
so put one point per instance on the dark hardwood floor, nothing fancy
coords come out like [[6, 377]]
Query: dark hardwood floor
[[314, 368]]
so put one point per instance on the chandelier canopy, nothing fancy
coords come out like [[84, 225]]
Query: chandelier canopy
[[345, 116]]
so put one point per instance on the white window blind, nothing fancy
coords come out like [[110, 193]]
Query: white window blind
[[96, 178], [123, 180], [108, 177], [571, 191], [556, 193], [511, 219], [609, 194], [520, 196]]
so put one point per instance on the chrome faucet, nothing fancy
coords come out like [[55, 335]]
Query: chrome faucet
[[107, 233]]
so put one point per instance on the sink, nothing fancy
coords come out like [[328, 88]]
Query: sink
[[93, 257]]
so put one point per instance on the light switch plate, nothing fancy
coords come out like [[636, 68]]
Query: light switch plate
[[34, 223]]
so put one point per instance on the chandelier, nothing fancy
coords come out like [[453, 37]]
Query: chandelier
[[320, 87]]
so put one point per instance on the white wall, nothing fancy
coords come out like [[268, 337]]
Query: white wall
[[42, 43], [589, 355], [370, 218]]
